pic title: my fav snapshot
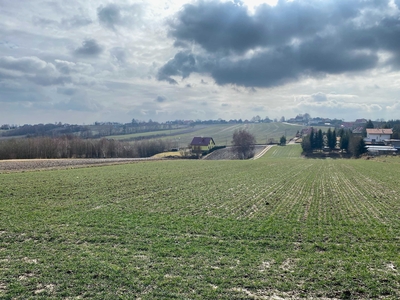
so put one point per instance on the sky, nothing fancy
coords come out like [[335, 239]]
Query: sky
[[79, 62]]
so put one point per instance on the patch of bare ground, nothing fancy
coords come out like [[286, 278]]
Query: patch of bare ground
[[18, 165], [3, 288], [265, 265], [228, 154], [44, 288], [277, 295]]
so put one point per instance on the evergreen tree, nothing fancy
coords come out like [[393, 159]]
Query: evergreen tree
[[306, 144], [361, 147], [320, 139], [312, 139], [369, 124], [329, 138], [282, 140], [344, 140], [333, 142]]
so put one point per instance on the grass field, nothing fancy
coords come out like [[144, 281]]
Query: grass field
[[147, 134], [263, 132], [293, 228], [222, 133]]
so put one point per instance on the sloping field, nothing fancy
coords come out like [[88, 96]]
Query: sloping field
[[294, 228], [288, 151], [222, 134]]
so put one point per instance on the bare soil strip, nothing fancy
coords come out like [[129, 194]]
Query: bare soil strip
[[17, 165]]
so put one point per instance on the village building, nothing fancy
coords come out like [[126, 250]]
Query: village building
[[202, 144], [378, 135]]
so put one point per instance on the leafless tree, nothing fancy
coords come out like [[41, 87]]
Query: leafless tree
[[243, 143]]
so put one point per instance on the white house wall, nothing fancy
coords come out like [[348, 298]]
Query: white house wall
[[377, 137]]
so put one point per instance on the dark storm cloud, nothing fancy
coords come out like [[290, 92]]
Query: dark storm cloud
[[89, 48], [288, 41], [181, 65], [216, 26]]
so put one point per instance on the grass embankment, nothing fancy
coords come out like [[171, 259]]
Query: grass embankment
[[203, 230]]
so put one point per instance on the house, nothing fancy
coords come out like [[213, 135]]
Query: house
[[361, 121], [202, 144], [347, 125], [378, 135], [358, 131]]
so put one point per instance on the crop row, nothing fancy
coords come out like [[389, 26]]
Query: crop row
[[294, 228]]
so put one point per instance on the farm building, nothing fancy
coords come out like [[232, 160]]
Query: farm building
[[395, 143], [202, 144], [378, 135], [381, 150]]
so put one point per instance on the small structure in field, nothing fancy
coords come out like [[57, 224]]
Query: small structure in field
[[395, 143], [202, 144], [381, 150]]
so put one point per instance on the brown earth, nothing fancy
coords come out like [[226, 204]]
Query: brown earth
[[16, 165], [227, 153]]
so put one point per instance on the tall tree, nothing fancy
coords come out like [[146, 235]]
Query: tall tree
[[356, 146], [243, 142], [311, 137], [282, 141], [319, 139], [328, 138], [331, 138], [369, 124], [344, 140], [306, 144]]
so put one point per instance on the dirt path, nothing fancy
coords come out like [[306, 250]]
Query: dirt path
[[228, 154], [262, 152]]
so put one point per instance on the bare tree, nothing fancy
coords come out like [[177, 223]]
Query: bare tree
[[243, 142]]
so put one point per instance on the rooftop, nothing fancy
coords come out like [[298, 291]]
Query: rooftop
[[379, 131]]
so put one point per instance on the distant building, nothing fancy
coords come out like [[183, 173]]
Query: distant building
[[381, 150], [378, 135], [358, 131], [395, 143], [202, 144], [347, 125], [361, 121]]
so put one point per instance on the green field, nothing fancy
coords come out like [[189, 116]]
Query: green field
[[222, 134], [294, 228], [147, 134]]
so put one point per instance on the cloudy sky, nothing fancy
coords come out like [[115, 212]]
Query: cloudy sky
[[84, 61]]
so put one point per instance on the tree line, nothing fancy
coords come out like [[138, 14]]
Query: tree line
[[76, 147], [348, 142]]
